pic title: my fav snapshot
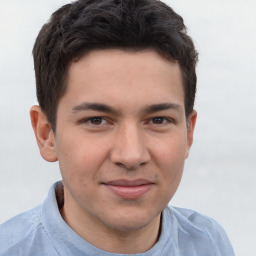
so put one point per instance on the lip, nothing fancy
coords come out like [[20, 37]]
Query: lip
[[129, 189]]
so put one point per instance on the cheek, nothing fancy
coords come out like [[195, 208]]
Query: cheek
[[79, 160], [79, 171], [170, 156], [171, 151]]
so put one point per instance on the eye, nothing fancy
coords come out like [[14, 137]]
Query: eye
[[94, 121], [159, 120]]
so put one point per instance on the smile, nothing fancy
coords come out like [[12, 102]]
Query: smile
[[129, 189]]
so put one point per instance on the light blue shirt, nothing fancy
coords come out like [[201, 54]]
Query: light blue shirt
[[42, 231]]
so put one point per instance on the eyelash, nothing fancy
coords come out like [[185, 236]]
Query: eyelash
[[164, 120], [90, 119]]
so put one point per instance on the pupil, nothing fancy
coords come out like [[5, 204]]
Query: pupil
[[96, 120], [158, 120]]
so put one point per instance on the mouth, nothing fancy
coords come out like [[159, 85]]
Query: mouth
[[129, 189]]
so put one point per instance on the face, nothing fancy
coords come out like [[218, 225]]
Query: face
[[121, 137]]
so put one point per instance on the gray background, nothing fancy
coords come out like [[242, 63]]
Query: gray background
[[219, 177]]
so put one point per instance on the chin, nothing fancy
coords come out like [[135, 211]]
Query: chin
[[130, 221]]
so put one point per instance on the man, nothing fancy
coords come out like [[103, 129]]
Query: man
[[116, 85]]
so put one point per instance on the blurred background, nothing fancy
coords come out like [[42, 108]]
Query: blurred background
[[220, 175]]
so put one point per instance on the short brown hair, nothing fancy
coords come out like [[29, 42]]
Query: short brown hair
[[86, 25]]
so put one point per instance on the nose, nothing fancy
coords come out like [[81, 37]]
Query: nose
[[129, 149]]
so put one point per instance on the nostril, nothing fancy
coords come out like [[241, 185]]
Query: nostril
[[120, 165], [130, 166]]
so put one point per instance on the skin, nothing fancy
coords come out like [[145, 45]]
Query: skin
[[122, 118]]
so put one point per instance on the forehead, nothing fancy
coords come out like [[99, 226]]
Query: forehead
[[132, 77]]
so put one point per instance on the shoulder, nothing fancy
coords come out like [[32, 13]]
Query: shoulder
[[200, 230], [18, 234], [194, 219], [21, 225]]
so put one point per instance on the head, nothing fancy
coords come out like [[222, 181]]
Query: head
[[116, 85], [83, 26]]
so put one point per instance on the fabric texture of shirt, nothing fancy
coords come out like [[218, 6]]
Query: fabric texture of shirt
[[42, 231]]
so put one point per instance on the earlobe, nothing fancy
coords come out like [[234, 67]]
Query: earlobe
[[43, 133], [190, 130]]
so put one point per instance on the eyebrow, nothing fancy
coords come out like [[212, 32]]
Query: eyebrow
[[162, 106], [86, 106]]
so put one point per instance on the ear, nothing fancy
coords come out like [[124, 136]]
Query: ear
[[191, 122], [44, 134]]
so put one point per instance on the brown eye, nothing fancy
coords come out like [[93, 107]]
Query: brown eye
[[96, 120], [158, 120]]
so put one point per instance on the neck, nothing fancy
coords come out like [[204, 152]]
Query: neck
[[109, 239]]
